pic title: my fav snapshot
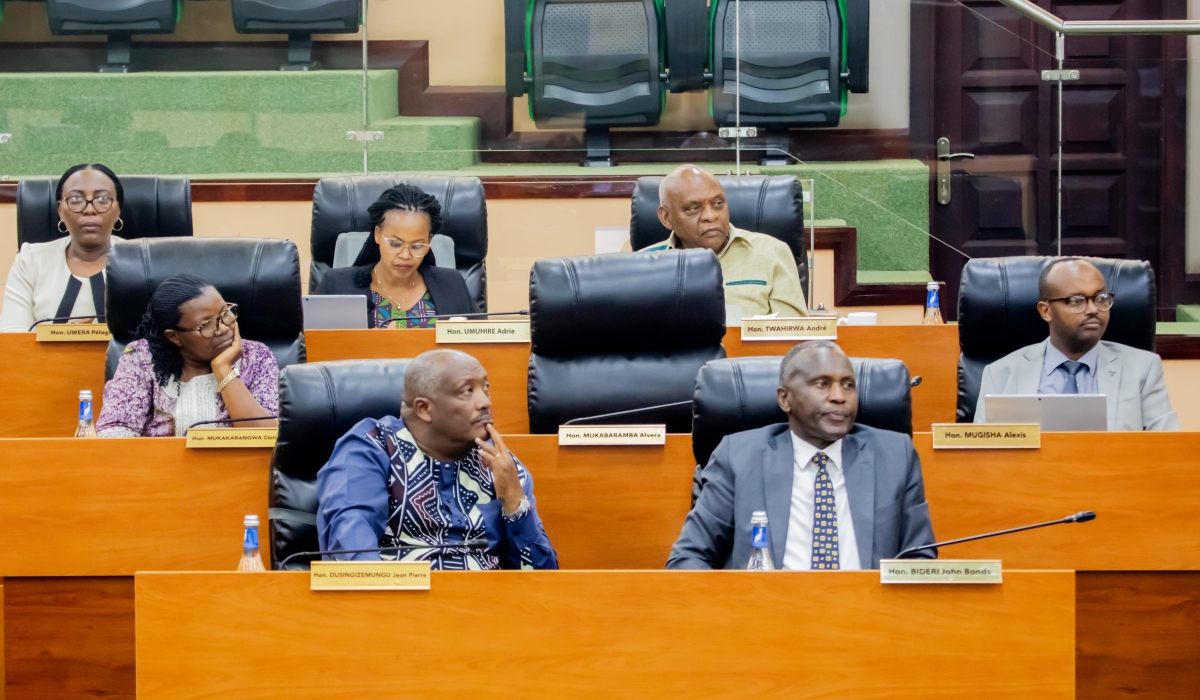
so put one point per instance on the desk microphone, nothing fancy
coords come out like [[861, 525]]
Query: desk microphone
[[226, 420], [1077, 518], [631, 411], [59, 319], [482, 314], [469, 544]]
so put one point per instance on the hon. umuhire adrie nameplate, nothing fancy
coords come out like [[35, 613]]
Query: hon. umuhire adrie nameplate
[[449, 331], [369, 576], [987, 436], [231, 437], [812, 328], [73, 333], [940, 571], [578, 435]]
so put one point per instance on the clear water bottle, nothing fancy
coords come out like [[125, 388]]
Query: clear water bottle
[[760, 541], [933, 308], [86, 428], [251, 560]]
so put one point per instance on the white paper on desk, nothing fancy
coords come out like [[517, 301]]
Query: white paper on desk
[[761, 316], [612, 239]]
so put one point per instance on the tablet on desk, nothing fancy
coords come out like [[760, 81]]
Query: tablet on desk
[[1054, 412], [334, 312]]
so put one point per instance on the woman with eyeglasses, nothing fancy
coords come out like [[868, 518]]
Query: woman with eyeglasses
[[396, 270], [65, 277], [188, 364]]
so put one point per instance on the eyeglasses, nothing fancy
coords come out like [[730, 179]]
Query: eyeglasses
[[1077, 303], [209, 328], [101, 203], [418, 249]]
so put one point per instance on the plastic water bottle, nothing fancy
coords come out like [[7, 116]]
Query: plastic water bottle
[[933, 308], [760, 555], [86, 428], [251, 561]]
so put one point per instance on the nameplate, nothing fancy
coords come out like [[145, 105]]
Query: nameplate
[[940, 571], [987, 436], [369, 576], [73, 333], [789, 328], [481, 331], [231, 437], [573, 435]]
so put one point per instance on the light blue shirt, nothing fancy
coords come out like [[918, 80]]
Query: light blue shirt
[[1054, 377]]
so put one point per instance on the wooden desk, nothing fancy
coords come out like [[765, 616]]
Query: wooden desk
[[42, 382], [606, 634]]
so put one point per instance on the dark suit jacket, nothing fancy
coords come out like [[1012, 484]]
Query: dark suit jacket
[[446, 286], [753, 470]]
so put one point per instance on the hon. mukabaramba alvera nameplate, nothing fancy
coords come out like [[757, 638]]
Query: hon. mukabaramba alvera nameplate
[[578, 435], [813, 328], [369, 576], [73, 333], [986, 436], [940, 571], [481, 331]]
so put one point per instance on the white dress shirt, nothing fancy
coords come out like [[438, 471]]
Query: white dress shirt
[[1054, 376], [797, 553]]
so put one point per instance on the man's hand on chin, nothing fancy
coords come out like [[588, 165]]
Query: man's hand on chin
[[503, 467]]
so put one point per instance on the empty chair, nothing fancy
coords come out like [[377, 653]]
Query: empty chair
[[299, 19], [997, 313], [154, 207], [119, 20]]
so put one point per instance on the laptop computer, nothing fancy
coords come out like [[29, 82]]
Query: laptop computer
[[334, 312], [1054, 412]]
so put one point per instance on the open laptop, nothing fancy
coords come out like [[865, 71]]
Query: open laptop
[[1054, 412], [334, 312]]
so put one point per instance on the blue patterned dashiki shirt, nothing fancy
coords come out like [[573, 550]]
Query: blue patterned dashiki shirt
[[379, 490]]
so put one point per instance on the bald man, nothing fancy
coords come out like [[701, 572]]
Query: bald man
[[439, 474], [1075, 302], [760, 272]]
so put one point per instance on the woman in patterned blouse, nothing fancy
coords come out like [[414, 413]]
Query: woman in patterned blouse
[[396, 270], [188, 364]]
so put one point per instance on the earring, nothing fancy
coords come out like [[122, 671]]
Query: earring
[[62, 226], [120, 226]]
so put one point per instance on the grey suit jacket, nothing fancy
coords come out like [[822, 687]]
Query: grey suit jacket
[[1132, 380], [753, 470]]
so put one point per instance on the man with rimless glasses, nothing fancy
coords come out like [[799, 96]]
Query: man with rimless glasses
[[1075, 303]]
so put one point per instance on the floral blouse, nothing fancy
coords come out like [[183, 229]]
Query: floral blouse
[[136, 405], [421, 315]]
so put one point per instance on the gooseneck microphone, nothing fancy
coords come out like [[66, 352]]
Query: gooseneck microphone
[[632, 411], [226, 420], [469, 544], [1077, 518], [482, 314], [99, 318]]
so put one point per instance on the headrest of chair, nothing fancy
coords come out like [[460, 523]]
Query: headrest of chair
[[153, 207], [739, 394], [320, 401], [626, 302], [770, 204], [340, 205], [997, 304]]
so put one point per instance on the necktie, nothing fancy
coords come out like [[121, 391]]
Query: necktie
[[1072, 368], [825, 530]]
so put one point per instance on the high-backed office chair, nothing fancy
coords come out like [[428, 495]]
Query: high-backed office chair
[[119, 20], [318, 403], [770, 204], [299, 19], [739, 394], [595, 64], [154, 207], [620, 332], [261, 276], [997, 313], [340, 206]]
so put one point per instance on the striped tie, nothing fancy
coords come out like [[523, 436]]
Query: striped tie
[[825, 529]]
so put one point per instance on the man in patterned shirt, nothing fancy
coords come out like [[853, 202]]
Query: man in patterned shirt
[[437, 475]]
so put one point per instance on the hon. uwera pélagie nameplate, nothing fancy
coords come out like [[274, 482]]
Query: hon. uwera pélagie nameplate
[[986, 436], [578, 435], [217, 437], [73, 333], [813, 328], [481, 331], [940, 571], [369, 576]]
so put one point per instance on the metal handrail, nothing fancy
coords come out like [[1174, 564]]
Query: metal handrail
[[1090, 27]]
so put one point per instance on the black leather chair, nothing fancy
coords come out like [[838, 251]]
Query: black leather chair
[[318, 403], [620, 332], [299, 19], [997, 313], [770, 204], [340, 206], [261, 276], [118, 20], [154, 207]]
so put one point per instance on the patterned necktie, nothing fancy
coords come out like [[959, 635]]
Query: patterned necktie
[[1072, 368], [825, 529]]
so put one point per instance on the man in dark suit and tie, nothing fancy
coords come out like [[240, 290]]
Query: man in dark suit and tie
[[853, 491]]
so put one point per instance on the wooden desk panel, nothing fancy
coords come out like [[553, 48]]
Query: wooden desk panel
[[42, 382], [605, 634]]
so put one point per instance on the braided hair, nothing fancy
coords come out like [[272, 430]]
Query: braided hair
[[400, 198], [118, 190], [162, 313]]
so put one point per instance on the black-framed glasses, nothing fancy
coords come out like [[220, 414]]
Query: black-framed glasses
[[209, 328], [1077, 303], [101, 203]]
